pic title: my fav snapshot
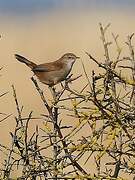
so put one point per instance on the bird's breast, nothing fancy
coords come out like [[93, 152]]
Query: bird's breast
[[69, 65]]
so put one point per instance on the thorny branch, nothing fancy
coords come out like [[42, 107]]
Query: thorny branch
[[85, 128]]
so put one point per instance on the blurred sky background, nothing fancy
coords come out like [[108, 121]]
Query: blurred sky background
[[26, 7]]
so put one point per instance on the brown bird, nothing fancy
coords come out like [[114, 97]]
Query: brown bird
[[53, 72]]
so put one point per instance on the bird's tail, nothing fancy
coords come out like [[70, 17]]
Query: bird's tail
[[25, 61]]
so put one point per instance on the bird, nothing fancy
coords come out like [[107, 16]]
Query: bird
[[53, 72]]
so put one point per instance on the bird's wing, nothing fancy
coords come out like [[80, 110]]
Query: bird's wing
[[47, 67]]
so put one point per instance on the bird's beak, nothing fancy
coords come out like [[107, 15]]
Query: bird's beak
[[77, 57]]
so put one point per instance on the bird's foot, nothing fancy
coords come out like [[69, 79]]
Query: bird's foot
[[55, 94]]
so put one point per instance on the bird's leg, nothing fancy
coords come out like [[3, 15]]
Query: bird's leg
[[68, 80], [56, 95], [53, 92]]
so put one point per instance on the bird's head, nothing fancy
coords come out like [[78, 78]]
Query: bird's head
[[69, 57]]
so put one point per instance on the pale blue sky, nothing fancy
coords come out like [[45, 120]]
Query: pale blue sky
[[28, 7]]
